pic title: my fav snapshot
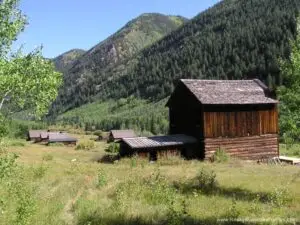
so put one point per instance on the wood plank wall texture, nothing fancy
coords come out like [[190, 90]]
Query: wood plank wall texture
[[252, 148], [240, 123], [250, 134]]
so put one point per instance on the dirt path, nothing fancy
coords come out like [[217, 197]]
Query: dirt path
[[68, 214]]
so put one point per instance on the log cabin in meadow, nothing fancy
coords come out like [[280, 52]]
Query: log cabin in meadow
[[238, 116]]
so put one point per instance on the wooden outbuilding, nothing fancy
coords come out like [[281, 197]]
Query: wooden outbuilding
[[61, 138], [48, 137], [157, 146], [44, 136], [118, 135], [35, 135], [238, 116]]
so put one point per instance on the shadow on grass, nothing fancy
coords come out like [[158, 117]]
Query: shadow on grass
[[123, 220], [228, 192]]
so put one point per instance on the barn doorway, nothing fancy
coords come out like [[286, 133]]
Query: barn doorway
[[153, 156]]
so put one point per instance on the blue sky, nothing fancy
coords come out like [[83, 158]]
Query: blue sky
[[61, 25]]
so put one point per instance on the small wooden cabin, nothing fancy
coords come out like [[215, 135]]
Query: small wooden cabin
[[61, 138], [44, 136], [35, 135], [157, 146], [117, 135], [238, 116]]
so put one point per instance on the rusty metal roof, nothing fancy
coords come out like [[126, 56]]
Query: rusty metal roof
[[229, 91], [159, 141], [119, 134], [35, 133]]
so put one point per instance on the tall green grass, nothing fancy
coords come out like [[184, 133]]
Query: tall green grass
[[55, 189]]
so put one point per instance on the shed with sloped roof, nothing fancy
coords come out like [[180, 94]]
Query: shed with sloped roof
[[157, 146], [34, 135], [117, 135], [238, 116], [61, 138]]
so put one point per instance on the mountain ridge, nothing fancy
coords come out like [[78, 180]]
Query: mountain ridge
[[227, 41], [117, 48], [64, 61], [235, 39]]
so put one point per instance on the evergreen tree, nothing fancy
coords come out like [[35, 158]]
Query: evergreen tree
[[289, 94]]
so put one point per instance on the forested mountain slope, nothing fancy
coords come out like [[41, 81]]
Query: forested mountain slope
[[64, 61], [144, 117], [79, 80], [235, 39]]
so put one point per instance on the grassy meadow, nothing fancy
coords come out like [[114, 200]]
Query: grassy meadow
[[58, 185]]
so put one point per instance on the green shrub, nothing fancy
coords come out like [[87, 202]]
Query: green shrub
[[85, 145], [206, 180], [18, 199], [113, 148], [233, 212], [279, 196], [19, 128], [88, 132], [177, 214], [7, 164], [47, 157], [39, 172], [220, 156], [158, 190], [98, 133], [101, 179], [21, 197]]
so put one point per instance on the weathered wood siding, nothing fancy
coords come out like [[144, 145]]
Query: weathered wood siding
[[248, 131], [242, 122], [254, 147]]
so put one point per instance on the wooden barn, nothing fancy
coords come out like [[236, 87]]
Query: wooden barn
[[238, 116], [157, 146], [117, 135]]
